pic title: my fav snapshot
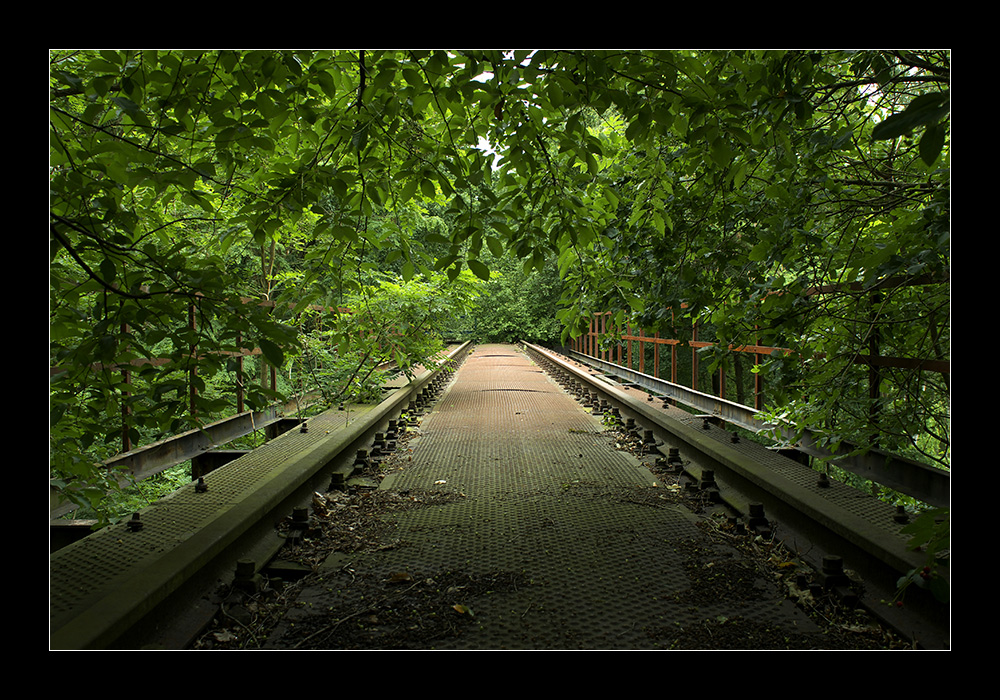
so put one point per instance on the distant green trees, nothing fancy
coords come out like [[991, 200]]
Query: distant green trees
[[518, 306], [210, 199]]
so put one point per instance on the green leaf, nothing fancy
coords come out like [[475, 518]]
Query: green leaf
[[722, 152], [929, 526], [108, 270], [923, 110], [127, 105], [272, 352], [495, 246], [359, 139], [408, 190], [777, 191], [760, 251], [479, 269], [428, 189], [931, 143], [437, 238]]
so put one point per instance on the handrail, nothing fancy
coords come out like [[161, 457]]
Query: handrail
[[923, 482], [154, 458]]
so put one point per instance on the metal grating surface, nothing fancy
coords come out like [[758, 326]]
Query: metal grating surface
[[601, 558], [106, 561], [585, 563], [506, 427]]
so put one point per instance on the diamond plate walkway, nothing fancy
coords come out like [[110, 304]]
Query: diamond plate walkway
[[573, 543]]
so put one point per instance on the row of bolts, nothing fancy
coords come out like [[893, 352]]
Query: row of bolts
[[649, 445], [384, 442], [831, 575], [672, 461], [592, 400], [247, 578], [832, 572]]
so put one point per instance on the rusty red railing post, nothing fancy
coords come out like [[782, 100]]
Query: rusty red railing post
[[608, 331], [239, 374], [618, 343], [673, 349], [656, 355], [642, 352], [590, 338], [126, 409], [694, 356], [601, 325], [629, 341], [758, 381], [192, 373]]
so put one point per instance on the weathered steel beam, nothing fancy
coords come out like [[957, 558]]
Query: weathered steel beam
[[923, 482]]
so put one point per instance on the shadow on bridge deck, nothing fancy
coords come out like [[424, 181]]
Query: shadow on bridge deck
[[550, 538]]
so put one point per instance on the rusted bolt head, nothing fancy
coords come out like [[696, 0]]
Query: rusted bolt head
[[245, 568], [832, 564]]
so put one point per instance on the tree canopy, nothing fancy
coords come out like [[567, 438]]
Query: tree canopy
[[793, 198]]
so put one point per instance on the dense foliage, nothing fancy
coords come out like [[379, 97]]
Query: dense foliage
[[518, 306], [215, 199]]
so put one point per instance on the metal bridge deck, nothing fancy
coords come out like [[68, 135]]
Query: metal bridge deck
[[130, 585], [119, 572], [593, 550]]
